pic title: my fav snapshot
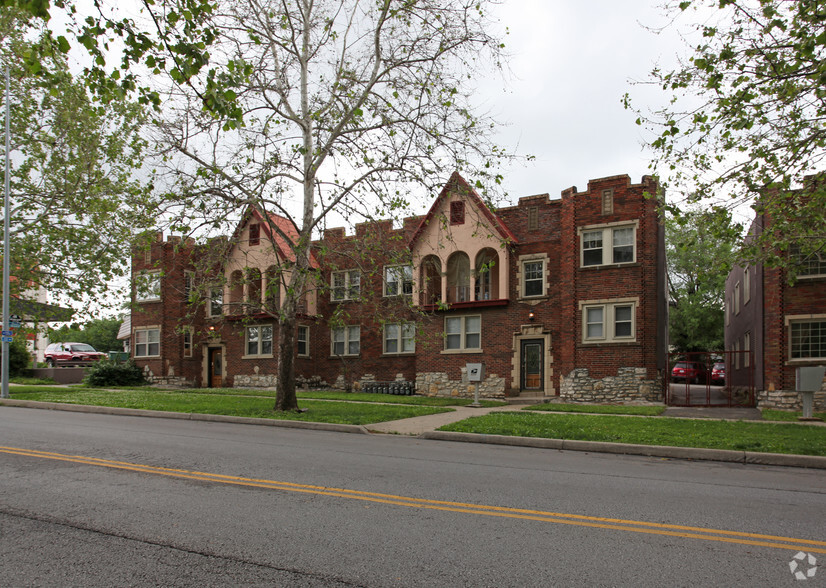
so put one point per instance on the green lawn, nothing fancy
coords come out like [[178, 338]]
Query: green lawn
[[712, 434], [599, 408], [786, 415], [352, 413]]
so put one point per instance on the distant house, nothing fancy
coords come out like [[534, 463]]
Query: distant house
[[775, 327], [548, 298], [30, 304]]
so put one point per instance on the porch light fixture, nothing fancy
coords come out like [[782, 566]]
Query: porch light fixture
[[530, 316]]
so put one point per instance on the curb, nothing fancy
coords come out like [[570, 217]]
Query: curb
[[187, 416], [690, 453]]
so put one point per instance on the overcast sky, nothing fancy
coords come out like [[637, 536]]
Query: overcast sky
[[571, 64]]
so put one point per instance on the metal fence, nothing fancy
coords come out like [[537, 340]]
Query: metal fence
[[695, 379]]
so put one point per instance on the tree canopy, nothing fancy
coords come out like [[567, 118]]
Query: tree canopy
[[700, 247], [746, 122], [75, 201]]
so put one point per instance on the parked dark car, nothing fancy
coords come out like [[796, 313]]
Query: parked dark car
[[689, 371], [718, 373], [71, 353]]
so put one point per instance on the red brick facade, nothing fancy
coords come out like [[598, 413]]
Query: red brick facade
[[555, 297]]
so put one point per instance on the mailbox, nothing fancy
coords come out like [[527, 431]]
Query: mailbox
[[475, 372]]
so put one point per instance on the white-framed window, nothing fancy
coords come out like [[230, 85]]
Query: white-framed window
[[188, 337], [215, 304], [737, 298], [303, 341], [727, 310], [147, 342], [746, 286], [189, 282], [811, 266], [737, 354], [399, 338], [807, 338], [258, 340], [609, 321], [346, 340], [463, 333], [147, 286], [746, 349], [346, 285], [398, 279], [533, 278], [608, 244]]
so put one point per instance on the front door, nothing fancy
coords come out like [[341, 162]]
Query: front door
[[532, 352], [215, 368]]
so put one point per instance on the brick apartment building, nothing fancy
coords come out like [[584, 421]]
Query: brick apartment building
[[775, 327], [550, 298]]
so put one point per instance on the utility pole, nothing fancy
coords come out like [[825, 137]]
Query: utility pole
[[4, 393]]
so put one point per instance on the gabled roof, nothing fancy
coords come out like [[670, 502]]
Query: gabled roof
[[284, 225], [457, 184]]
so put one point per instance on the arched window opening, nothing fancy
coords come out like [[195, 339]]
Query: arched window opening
[[432, 279], [487, 275], [458, 277], [254, 289]]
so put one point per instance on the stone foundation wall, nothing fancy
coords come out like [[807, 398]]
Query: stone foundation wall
[[788, 400], [254, 381], [629, 385], [171, 380], [438, 384]]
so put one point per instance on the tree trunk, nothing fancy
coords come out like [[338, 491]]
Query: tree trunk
[[285, 398]]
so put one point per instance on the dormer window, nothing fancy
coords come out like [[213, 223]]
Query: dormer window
[[457, 212], [255, 234]]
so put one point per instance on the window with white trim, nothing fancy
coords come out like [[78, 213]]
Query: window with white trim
[[807, 339], [147, 342], [399, 338], [147, 286], [608, 245], [746, 286], [608, 322], [189, 282], [258, 340], [737, 298], [747, 349], [346, 285], [533, 278], [303, 341], [463, 333], [346, 340], [215, 304], [398, 279], [188, 334], [810, 266]]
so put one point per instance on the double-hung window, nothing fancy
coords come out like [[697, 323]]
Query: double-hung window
[[147, 342], [215, 304], [303, 341], [346, 340], [399, 338], [188, 334], [608, 245], [809, 266], [259, 340], [346, 285], [533, 278], [147, 286], [608, 322], [463, 333], [398, 279]]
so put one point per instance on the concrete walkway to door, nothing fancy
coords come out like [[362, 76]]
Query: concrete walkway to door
[[431, 422]]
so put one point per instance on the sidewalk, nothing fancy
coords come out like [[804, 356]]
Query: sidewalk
[[431, 422]]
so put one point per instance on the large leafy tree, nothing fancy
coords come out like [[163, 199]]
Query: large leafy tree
[[75, 201], [747, 118], [344, 104], [700, 247], [102, 334]]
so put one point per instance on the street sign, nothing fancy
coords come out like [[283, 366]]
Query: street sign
[[8, 333], [7, 339], [14, 325]]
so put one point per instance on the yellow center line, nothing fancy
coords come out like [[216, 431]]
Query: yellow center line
[[683, 531]]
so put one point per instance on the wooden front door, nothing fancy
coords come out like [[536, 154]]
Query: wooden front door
[[532, 352], [216, 368]]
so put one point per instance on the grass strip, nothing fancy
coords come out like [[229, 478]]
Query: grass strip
[[788, 415], [598, 408], [348, 413], [711, 434]]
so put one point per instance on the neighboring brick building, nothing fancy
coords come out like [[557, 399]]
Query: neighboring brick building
[[549, 297], [775, 327]]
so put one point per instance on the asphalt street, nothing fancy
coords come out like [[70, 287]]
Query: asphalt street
[[102, 500]]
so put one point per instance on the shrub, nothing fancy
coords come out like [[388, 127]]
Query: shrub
[[113, 373], [19, 359]]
